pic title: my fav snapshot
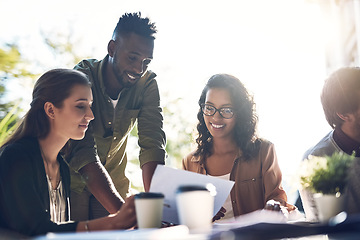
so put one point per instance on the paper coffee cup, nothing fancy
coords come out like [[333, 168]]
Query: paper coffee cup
[[149, 209], [195, 207]]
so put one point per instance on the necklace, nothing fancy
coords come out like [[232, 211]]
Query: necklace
[[55, 190], [54, 179]]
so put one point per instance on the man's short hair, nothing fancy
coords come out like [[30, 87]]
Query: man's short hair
[[341, 94], [134, 23]]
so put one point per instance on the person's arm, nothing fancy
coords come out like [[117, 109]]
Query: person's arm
[[148, 170], [84, 159], [125, 218], [152, 138], [101, 186], [275, 195]]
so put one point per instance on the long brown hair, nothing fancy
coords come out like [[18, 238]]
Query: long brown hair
[[53, 86]]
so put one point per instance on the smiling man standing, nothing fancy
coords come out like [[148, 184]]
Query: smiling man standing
[[124, 92]]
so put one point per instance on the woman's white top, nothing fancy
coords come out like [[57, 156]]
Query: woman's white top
[[57, 202], [229, 214]]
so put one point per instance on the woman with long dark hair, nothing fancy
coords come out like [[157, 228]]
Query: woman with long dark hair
[[228, 148], [34, 178]]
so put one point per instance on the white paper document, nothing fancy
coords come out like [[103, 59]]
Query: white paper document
[[166, 180]]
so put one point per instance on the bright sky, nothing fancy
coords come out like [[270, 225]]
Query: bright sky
[[275, 47]]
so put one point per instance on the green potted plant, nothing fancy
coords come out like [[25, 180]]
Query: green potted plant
[[326, 178]]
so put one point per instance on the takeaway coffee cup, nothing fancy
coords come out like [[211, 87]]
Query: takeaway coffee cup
[[149, 209], [195, 206]]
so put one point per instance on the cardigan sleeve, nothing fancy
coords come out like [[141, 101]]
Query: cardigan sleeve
[[22, 198], [272, 175]]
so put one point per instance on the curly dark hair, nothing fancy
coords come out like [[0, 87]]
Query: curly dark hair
[[340, 94], [244, 110], [134, 23]]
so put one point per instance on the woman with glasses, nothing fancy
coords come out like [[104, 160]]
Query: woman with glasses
[[228, 148]]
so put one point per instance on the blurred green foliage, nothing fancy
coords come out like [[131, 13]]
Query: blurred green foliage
[[12, 67], [326, 175], [8, 123]]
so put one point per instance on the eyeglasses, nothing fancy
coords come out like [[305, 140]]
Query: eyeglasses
[[225, 112]]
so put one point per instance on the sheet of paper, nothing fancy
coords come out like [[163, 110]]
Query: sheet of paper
[[166, 180]]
